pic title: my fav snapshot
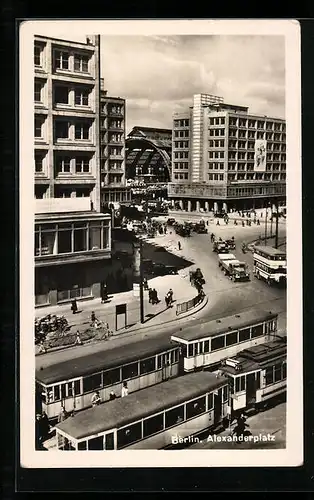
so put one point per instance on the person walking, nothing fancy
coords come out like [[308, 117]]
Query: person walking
[[150, 295], [104, 293], [62, 415], [74, 306], [78, 340], [125, 390], [179, 245], [96, 399]]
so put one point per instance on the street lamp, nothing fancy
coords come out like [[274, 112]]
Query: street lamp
[[138, 272]]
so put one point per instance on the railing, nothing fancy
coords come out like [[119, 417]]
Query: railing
[[190, 304]]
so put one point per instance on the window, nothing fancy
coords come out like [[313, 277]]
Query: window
[[277, 372], [269, 375], [47, 242], [129, 435], [81, 63], [284, 371], [38, 87], [80, 240], [231, 338], [61, 60], [244, 334], [82, 192], [225, 393], [92, 382], [129, 371], [147, 365], [153, 425], [82, 131], [191, 349], [37, 55], [196, 407], [94, 236], [111, 377], [64, 241], [174, 416], [257, 331], [38, 126], [62, 130], [81, 97], [82, 165], [39, 158], [218, 342], [206, 346], [96, 443], [63, 165], [61, 95], [82, 445], [210, 401], [240, 383]]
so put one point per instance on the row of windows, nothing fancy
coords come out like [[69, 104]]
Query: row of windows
[[265, 255], [63, 59], [240, 382], [181, 133], [219, 120], [181, 177], [180, 165], [220, 143], [250, 166], [215, 177], [64, 164], [63, 129], [251, 145], [228, 339], [70, 238], [215, 165], [216, 132], [63, 192], [257, 176], [181, 154], [111, 377], [181, 123], [269, 136], [254, 191], [216, 154], [115, 137], [261, 124], [269, 270], [181, 144], [112, 109], [275, 373], [79, 96]]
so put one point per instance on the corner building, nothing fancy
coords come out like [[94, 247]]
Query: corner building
[[224, 158], [66, 123]]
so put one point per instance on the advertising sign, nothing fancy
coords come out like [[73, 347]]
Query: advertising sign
[[260, 156]]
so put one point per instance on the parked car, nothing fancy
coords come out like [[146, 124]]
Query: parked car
[[160, 269]]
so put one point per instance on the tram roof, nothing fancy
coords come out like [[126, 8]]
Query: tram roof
[[102, 360], [270, 250], [257, 357], [223, 325], [140, 404]]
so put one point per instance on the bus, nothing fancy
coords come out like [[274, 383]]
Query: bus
[[207, 344], [270, 264], [257, 376], [153, 418], [70, 384]]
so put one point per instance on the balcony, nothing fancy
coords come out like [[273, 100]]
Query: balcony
[[116, 114], [116, 157]]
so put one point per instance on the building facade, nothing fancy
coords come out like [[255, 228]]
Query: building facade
[[112, 156], [66, 122], [224, 158]]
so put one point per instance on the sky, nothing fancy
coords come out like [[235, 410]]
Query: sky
[[158, 75]]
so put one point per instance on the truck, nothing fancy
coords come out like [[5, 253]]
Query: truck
[[233, 268]]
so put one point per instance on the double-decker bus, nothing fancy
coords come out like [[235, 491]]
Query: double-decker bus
[[270, 264]]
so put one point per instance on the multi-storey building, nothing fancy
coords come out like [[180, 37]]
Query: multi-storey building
[[225, 158], [112, 159], [66, 122]]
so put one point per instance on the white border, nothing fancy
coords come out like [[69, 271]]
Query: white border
[[293, 454]]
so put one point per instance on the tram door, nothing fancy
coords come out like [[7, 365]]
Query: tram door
[[217, 406], [250, 389]]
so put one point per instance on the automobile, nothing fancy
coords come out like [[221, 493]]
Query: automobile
[[171, 221], [160, 269]]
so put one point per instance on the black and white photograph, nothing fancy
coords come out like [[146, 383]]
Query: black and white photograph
[[160, 195]]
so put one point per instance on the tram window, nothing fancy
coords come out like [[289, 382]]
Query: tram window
[[130, 371], [195, 407], [70, 389], [191, 349], [153, 425], [147, 365], [257, 331], [218, 342], [240, 383], [184, 350], [174, 416], [109, 441], [129, 434], [244, 334], [111, 377], [206, 346], [91, 382], [77, 387], [269, 375], [166, 359], [174, 357], [277, 375], [284, 371], [96, 443], [159, 361], [225, 394], [63, 391], [232, 338], [258, 380], [82, 445], [210, 401], [57, 392]]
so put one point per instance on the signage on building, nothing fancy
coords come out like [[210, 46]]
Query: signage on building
[[260, 155], [59, 205]]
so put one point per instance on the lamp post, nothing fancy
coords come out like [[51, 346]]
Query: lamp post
[[276, 234], [138, 273], [266, 226]]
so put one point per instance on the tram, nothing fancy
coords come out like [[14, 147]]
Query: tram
[[154, 418], [207, 344], [71, 383], [256, 376], [270, 264]]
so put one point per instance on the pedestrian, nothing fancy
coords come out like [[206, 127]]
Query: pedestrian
[[96, 399], [218, 223], [93, 318], [78, 340], [179, 245], [125, 390], [258, 222], [155, 297], [207, 223], [112, 396], [62, 415], [45, 426], [150, 295], [145, 284], [74, 306], [104, 293]]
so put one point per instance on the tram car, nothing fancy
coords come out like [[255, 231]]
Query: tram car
[[207, 344], [157, 417], [256, 376], [71, 383]]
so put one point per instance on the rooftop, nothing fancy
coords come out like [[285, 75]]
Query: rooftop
[[89, 46], [140, 404], [270, 250]]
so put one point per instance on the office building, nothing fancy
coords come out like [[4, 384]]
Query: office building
[[224, 158]]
